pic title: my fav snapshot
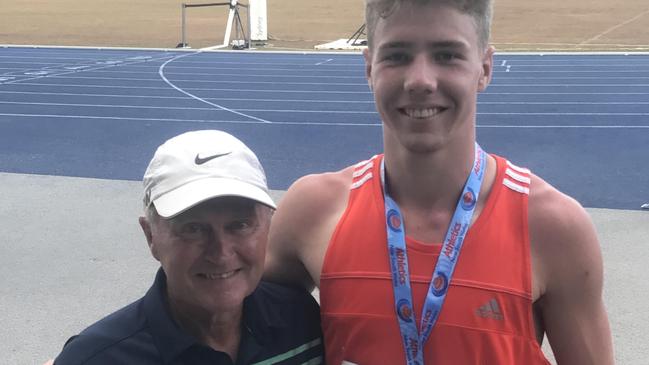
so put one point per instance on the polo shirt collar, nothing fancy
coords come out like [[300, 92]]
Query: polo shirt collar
[[261, 320], [260, 316], [169, 338]]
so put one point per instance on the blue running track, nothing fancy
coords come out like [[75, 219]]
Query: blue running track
[[579, 121]]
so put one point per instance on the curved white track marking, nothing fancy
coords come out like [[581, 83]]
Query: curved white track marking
[[161, 73]]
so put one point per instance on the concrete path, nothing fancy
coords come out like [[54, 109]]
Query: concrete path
[[71, 252]]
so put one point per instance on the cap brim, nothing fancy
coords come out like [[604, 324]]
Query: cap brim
[[196, 192]]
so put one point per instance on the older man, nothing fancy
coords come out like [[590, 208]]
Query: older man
[[207, 213]]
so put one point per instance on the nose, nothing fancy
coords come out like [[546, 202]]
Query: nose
[[421, 76], [218, 246]]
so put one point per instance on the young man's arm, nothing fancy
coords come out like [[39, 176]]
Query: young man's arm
[[568, 265], [302, 226]]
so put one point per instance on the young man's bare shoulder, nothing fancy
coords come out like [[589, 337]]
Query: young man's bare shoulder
[[325, 191], [563, 239], [553, 210], [302, 225]]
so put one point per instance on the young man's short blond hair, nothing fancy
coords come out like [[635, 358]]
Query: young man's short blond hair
[[479, 10]]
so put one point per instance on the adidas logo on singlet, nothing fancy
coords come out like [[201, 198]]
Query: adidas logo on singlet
[[491, 309]]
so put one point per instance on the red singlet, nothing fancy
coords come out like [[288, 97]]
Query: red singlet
[[487, 316]]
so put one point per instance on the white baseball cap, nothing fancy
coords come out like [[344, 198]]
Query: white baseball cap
[[197, 166]]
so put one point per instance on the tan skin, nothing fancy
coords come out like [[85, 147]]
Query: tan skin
[[427, 61], [213, 256]]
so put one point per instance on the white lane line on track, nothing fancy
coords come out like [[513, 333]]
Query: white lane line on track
[[598, 75], [635, 71], [377, 124], [274, 91], [235, 111], [288, 73], [564, 126], [240, 110], [563, 93], [188, 98], [99, 66], [550, 113], [496, 84], [289, 111], [629, 67], [574, 77], [563, 103], [323, 62], [162, 75], [550, 102], [316, 92], [217, 81], [240, 76], [493, 83]]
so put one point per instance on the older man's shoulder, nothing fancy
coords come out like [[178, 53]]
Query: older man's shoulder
[[294, 305], [102, 342], [284, 294]]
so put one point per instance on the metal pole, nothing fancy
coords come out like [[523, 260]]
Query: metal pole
[[184, 43], [183, 39], [228, 27]]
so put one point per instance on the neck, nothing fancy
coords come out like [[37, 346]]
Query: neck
[[428, 187], [220, 331], [431, 181]]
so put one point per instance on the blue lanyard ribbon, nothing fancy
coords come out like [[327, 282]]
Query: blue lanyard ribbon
[[412, 340]]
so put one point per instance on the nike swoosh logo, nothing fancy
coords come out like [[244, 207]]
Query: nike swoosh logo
[[201, 160]]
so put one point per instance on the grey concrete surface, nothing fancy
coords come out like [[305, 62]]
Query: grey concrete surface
[[71, 252]]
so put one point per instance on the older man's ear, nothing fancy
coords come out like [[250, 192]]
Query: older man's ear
[[146, 229]]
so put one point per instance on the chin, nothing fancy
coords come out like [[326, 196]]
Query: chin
[[418, 145], [224, 301]]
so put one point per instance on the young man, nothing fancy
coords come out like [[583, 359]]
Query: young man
[[436, 252], [207, 213]]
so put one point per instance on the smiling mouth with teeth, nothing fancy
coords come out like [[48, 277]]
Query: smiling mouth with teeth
[[220, 276], [422, 113]]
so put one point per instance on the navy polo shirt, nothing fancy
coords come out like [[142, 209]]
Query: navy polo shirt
[[280, 326]]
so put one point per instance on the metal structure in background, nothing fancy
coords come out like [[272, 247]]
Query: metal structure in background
[[354, 39], [233, 17]]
